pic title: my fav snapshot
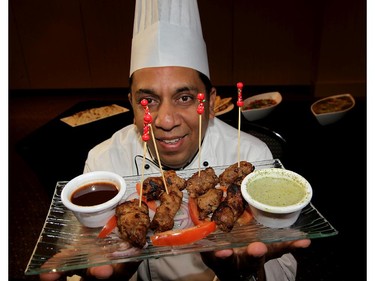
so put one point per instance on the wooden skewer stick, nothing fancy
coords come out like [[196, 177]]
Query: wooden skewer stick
[[158, 157], [239, 137], [240, 105], [200, 137], [200, 111], [142, 175]]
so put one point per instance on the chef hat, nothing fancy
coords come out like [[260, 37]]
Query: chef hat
[[168, 33]]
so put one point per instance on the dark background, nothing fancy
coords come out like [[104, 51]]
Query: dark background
[[84, 44]]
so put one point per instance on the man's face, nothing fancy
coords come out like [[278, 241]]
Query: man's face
[[172, 100]]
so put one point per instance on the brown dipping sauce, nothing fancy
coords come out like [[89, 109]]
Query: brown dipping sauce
[[94, 194]]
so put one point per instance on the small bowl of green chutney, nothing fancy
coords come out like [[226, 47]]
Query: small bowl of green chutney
[[276, 196]]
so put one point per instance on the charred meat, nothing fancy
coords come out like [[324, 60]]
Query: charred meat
[[208, 202], [235, 174], [170, 203], [153, 187], [230, 209], [174, 181], [198, 185], [133, 222]]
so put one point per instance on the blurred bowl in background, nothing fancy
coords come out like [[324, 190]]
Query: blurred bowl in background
[[331, 109], [259, 106]]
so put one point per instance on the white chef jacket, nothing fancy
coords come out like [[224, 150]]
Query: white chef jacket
[[123, 154]]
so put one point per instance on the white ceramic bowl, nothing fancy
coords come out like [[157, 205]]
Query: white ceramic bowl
[[332, 108], [259, 113], [95, 215], [279, 185]]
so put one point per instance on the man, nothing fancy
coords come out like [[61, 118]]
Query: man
[[169, 68], [172, 95]]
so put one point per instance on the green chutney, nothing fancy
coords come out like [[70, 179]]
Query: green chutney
[[276, 191]]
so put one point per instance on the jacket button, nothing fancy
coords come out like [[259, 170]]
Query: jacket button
[[205, 163], [147, 166]]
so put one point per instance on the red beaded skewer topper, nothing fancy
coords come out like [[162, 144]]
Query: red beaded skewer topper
[[147, 119], [239, 92], [200, 108]]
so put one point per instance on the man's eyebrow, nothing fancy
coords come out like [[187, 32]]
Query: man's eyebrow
[[144, 91], [187, 89], [178, 90]]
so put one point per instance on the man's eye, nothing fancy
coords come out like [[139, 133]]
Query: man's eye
[[186, 99]]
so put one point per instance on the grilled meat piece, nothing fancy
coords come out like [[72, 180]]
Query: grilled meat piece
[[172, 179], [133, 222], [170, 203], [235, 174], [154, 186], [198, 185], [208, 202], [230, 209]]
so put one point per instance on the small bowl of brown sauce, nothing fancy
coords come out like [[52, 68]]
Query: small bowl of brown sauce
[[276, 196], [93, 197], [259, 106], [331, 109]]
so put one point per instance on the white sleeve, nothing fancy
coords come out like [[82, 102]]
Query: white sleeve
[[281, 269]]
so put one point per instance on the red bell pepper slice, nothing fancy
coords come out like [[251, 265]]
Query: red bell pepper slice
[[193, 211], [109, 227], [183, 236]]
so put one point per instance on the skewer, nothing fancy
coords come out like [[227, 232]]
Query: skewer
[[147, 122], [200, 110], [157, 155], [240, 105], [143, 171]]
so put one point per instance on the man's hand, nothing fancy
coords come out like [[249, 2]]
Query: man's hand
[[236, 264]]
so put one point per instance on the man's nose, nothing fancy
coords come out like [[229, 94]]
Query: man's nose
[[165, 117]]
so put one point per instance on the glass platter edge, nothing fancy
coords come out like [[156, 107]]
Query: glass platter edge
[[67, 245]]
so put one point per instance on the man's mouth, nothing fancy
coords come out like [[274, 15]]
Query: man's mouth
[[170, 141]]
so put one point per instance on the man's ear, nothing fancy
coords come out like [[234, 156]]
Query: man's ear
[[212, 102]]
